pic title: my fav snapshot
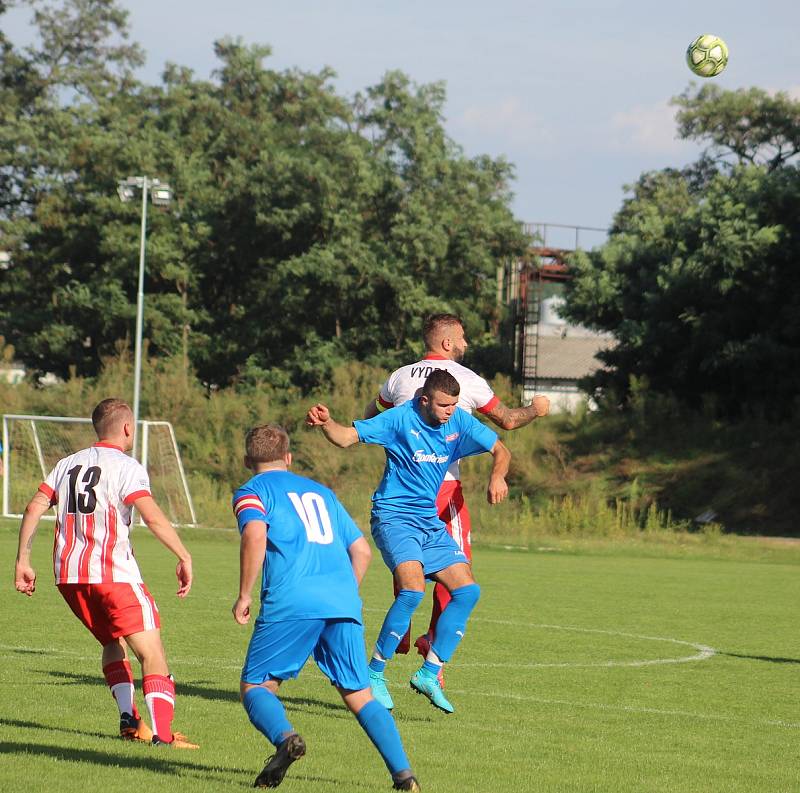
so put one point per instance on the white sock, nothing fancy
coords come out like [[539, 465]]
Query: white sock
[[123, 694]]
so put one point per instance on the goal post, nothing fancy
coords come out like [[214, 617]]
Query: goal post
[[32, 445]]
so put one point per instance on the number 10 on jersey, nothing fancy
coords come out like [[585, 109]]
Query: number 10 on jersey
[[312, 510]]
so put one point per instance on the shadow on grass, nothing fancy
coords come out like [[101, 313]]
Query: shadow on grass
[[182, 689], [160, 765], [335, 710], [768, 658], [34, 725]]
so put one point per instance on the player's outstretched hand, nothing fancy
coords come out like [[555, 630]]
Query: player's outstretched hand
[[241, 610], [318, 415], [184, 573], [497, 491], [25, 579], [541, 404]]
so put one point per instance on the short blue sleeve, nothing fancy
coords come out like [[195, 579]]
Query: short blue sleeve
[[475, 437], [247, 506], [378, 430]]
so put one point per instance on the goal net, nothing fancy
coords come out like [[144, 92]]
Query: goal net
[[32, 445]]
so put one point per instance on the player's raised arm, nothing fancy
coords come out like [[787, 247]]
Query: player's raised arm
[[337, 434], [371, 410], [24, 574], [514, 418], [157, 522], [498, 489]]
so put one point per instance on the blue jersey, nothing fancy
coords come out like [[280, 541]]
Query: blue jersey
[[417, 455], [307, 570]]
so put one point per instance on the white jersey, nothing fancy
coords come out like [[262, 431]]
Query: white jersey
[[403, 384], [93, 491]]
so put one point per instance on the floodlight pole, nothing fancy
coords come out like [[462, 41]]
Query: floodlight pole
[[137, 357], [161, 194]]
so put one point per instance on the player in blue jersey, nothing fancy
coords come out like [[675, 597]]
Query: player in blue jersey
[[311, 557], [421, 438]]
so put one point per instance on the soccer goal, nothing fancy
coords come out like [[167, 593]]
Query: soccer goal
[[32, 445]]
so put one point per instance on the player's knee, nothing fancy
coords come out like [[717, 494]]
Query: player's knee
[[409, 598], [468, 595]]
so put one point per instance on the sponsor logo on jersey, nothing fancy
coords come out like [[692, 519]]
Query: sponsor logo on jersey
[[415, 433], [421, 456]]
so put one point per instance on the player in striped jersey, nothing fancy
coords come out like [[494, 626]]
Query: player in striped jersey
[[445, 345], [95, 491]]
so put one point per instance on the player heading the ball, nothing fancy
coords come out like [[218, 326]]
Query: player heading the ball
[[421, 438]]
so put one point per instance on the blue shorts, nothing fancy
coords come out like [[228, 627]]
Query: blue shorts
[[279, 650], [426, 542]]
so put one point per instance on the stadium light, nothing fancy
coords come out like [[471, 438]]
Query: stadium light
[[160, 195]]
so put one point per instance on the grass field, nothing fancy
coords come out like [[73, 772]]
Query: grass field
[[589, 669]]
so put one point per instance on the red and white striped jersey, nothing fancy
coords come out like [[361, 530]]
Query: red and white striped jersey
[[403, 384], [93, 491]]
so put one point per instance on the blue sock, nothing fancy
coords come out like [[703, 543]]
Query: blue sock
[[397, 621], [379, 725], [377, 666], [453, 623], [431, 669], [267, 714]]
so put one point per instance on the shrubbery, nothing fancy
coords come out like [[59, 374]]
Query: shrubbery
[[647, 470]]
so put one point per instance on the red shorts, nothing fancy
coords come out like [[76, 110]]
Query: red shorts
[[112, 610], [453, 511]]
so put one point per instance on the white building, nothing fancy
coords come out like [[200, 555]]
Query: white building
[[556, 355]]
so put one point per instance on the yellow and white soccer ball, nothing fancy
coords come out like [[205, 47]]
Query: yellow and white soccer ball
[[707, 55]]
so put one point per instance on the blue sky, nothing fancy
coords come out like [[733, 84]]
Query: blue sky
[[575, 94]]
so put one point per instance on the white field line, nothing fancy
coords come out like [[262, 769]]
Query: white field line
[[214, 663], [627, 708], [704, 652], [316, 675]]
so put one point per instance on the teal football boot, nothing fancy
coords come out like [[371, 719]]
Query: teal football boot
[[430, 687], [377, 682]]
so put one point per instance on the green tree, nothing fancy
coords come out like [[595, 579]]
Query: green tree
[[749, 125], [698, 280], [308, 228]]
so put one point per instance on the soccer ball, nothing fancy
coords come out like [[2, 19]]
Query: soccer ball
[[707, 55]]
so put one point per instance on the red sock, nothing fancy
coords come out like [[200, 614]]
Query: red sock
[[159, 694], [119, 678]]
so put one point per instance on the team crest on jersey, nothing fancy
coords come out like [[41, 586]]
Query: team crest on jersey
[[452, 436]]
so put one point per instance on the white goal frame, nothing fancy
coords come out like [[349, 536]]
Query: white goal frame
[[144, 434]]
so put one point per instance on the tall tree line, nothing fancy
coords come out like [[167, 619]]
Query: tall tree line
[[307, 227]]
